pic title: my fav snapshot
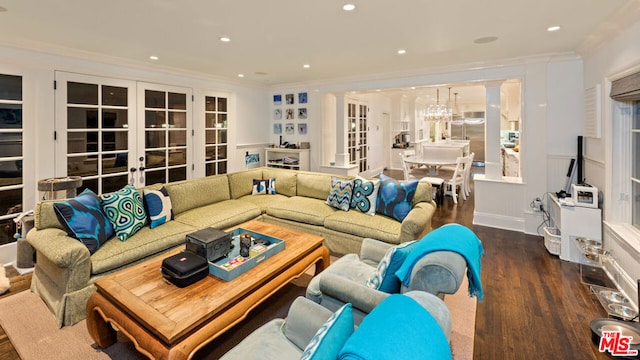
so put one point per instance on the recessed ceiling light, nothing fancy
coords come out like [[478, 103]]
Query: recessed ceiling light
[[348, 7], [240, 75], [485, 40], [306, 66], [225, 39], [402, 52], [553, 28], [153, 57]]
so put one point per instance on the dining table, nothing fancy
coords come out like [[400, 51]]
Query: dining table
[[433, 164]]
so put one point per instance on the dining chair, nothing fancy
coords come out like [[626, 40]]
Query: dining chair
[[467, 174], [456, 181], [422, 174]]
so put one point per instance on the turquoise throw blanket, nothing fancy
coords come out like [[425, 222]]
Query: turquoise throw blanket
[[398, 328], [450, 237]]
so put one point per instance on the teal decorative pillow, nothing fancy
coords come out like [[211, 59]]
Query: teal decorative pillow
[[398, 328], [330, 338], [395, 198], [365, 195], [125, 210], [83, 219], [264, 187], [340, 194], [384, 278], [158, 206]]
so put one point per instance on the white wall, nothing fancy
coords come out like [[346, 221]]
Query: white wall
[[608, 61]]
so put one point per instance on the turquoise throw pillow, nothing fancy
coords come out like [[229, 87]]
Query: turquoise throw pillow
[[384, 278], [158, 206], [365, 195], [395, 198], [330, 338], [340, 194], [83, 219], [398, 328], [125, 210]]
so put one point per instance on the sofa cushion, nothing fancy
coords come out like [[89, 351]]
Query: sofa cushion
[[146, 242], [360, 224], [83, 219], [240, 182], [220, 215], [365, 195], [330, 338], [340, 194], [314, 185], [158, 206], [263, 202], [286, 180], [395, 198], [264, 187], [301, 209], [125, 210], [384, 278], [189, 194]]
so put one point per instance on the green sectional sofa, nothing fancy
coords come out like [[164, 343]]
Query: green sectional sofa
[[65, 270]]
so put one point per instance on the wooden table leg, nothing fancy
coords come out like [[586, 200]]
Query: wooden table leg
[[99, 329], [325, 261]]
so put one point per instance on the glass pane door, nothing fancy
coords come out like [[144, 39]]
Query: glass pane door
[[362, 137], [11, 154], [357, 130], [216, 131], [95, 130], [167, 134]]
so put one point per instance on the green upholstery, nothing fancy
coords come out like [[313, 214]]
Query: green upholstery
[[65, 272]]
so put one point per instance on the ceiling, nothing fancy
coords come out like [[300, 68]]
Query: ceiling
[[271, 40]]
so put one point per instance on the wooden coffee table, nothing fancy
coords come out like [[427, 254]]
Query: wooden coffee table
[[168, 322]]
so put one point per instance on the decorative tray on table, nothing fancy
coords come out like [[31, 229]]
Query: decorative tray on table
[[233, 265]]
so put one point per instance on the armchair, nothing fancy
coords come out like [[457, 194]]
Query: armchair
[[437, 273], [287, 338]]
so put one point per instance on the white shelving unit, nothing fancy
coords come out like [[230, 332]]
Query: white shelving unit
[[278, 157], [574, 222]]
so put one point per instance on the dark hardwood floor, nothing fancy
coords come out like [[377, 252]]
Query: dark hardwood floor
[[535, 306]]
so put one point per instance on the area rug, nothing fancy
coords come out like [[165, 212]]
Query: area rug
[[34, 334]]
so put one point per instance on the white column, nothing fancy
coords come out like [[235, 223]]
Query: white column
[[493, 157], [342, 156]]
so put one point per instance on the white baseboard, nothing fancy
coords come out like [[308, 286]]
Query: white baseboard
[[498, 221]]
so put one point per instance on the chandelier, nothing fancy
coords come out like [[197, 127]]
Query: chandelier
[[438, 112]]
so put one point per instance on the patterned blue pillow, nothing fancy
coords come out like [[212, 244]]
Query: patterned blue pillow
[[264, 187], [83, 219], [395, 198], [328, 341], [340, 194], [125, 210], [384, 278], [365, 195], [158, 206]]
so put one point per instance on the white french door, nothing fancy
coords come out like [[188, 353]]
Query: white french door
[[114, 132], [95, 130], [357, 131], [165, 141]]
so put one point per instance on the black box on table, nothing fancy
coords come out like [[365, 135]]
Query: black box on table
[[184, 268], [210, 243]]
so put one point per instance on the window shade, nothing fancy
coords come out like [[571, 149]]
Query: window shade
[[627, 88]]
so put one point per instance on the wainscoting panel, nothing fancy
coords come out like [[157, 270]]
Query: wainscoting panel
[[557, 167], [507, 212]]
